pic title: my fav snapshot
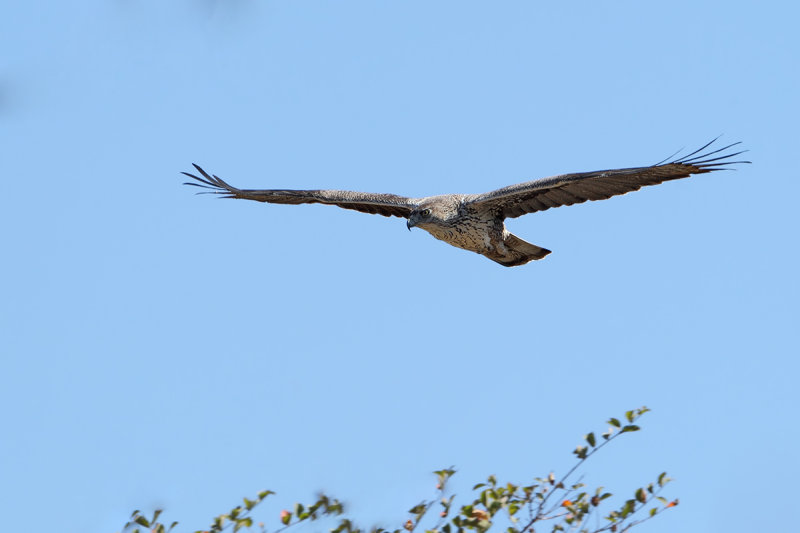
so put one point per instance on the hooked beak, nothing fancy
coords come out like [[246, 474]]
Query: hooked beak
[[410, 224]]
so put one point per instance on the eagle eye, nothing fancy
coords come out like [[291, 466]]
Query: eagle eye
[[425, 213]]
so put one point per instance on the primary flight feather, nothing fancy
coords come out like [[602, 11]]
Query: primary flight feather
[[475, 221]]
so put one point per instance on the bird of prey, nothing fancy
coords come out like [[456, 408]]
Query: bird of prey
[[475, 221]]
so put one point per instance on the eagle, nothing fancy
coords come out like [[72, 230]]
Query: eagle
[[475, 222]]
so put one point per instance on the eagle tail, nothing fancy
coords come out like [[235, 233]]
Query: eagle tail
[[521, 252]]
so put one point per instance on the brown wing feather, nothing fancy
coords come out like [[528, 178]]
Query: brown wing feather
[[568, 189], [377, 204]]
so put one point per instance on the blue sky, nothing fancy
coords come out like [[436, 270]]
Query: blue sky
[[161, 349]]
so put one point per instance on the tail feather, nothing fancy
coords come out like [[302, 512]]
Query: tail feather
[[521, 252]]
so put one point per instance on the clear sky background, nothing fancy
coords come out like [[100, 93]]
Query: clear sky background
[[161, 349]]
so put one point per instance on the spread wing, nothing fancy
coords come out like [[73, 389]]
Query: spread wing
[[568, 189], [380, 204]]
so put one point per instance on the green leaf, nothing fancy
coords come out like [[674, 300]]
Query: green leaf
[[641, 496], [653, 511], [590, 439], [614, 422], [627, 508], [479, 485], [630, 428], [445, 474], [629, 416], [142, 521], [264, 493]]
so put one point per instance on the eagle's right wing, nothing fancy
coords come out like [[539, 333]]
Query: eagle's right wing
[[569, 189], [373, 203]]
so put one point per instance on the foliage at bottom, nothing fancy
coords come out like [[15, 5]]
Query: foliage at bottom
[[551, 503]]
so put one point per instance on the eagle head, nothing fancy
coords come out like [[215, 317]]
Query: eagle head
[[435, 212]]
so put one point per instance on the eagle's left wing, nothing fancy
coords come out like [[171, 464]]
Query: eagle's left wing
[[568, 189], [366, 202]]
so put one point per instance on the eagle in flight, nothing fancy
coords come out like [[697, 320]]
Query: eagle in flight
[[475, 221]]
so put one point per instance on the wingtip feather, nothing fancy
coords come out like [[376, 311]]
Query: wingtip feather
[[701, 160]]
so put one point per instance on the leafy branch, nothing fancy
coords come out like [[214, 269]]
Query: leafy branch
[[563, 502]]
